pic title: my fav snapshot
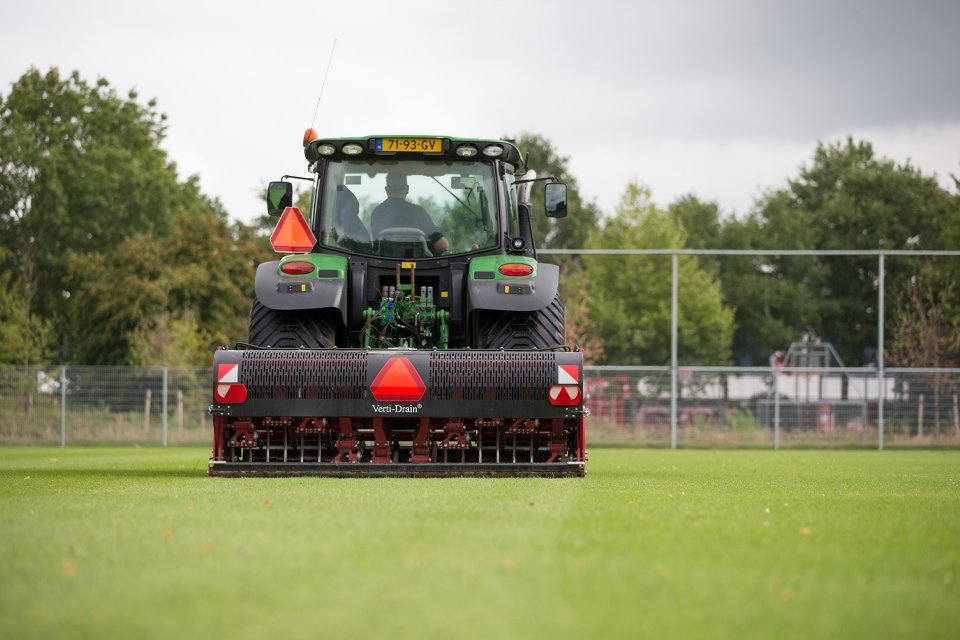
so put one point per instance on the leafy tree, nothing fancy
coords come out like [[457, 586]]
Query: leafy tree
[[68, 149], [82, 170], [629, 296], [25, 338], [173, 297], [769, 310], [170, 341], [701, 221], [580, 327], [923, 336], [846, 199]]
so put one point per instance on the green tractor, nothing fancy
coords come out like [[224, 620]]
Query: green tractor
[[410, 330]]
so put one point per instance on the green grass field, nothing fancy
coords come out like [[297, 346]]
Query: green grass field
[[120, 542]]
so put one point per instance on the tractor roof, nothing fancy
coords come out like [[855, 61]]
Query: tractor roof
[[418, 145]]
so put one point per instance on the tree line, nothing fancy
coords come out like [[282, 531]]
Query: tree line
[[107, 256], [739, 309]]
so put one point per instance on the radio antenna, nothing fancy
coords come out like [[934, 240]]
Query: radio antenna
[[323, 84]]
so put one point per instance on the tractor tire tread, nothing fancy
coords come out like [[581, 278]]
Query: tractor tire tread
[[309, 328], [523, 329]]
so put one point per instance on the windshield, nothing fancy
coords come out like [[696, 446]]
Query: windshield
[[409, 208]]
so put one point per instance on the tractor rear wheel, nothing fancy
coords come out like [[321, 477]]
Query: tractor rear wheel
[[523, 329], [310, 329]]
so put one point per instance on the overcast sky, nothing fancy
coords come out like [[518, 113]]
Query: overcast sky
[[720, 99]]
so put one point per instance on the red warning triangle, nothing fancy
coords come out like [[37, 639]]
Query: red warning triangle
[[398, 381], [292, 234]]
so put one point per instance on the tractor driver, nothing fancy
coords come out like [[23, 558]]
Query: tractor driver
[[395, 211]]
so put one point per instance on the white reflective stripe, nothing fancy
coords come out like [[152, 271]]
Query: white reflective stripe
[[573, 392], [567, 374], [555, 392], [222, 390]]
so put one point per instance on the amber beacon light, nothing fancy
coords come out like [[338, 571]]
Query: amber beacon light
[[309, 136]]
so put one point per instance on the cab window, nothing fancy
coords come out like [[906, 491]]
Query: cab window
[[513, 221], [399, 208]]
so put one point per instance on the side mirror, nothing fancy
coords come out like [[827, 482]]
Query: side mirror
[[279, 197], [555, 199]]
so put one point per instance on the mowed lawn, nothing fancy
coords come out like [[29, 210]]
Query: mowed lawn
[[122, 542]]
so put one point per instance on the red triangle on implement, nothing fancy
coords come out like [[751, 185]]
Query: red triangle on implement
[[292, 234], [398, 381]]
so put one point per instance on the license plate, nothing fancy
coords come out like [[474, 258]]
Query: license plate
[[410, 145]]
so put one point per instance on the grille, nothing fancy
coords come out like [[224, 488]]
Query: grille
[[309, 375], [491, 375]]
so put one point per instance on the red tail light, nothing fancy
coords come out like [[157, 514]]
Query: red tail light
[[231, 393], [296, 268], [516, 269]]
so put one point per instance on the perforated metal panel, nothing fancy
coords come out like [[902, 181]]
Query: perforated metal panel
[[309, 375], [491, 375]]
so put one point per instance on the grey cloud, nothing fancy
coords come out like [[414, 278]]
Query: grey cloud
[[692, 95]]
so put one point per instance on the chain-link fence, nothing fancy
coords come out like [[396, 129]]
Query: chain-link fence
[[96, 405], [774, 407], [714, 406]]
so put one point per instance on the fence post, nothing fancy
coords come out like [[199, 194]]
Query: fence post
[[956, 417], [920, 417], [881, 392], [147, 400], [776, 408], [63, 407], [164, 405], [180, 411], [673, 354]]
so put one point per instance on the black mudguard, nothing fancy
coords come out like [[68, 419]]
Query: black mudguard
[[534, 293], [286, 294]]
